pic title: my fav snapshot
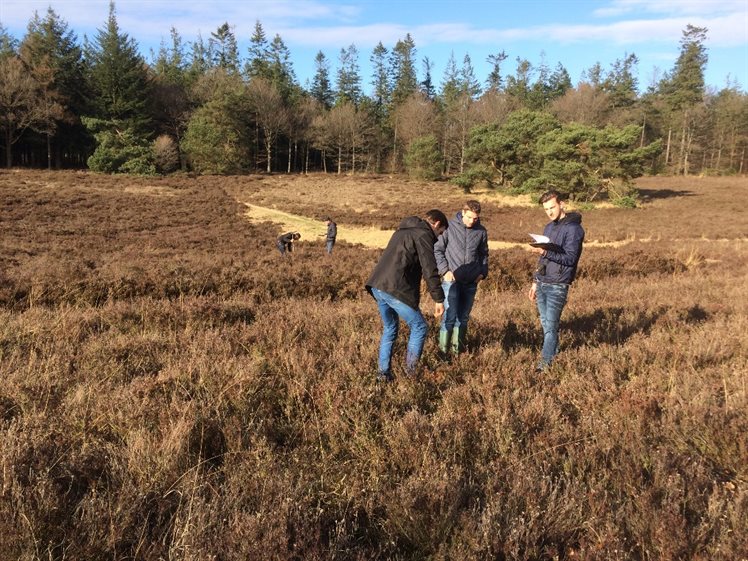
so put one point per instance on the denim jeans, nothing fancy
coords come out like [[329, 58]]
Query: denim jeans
[[551, 298], [391, 310], [330, 244], [458, 302]]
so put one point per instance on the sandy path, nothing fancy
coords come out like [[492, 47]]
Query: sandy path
[[377, 238]]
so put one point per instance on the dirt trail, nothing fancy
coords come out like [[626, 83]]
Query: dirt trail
[[377, 238]]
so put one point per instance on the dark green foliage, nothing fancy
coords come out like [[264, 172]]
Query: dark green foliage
[[119, 148], [119, 77], [423, 160], [531, 151]]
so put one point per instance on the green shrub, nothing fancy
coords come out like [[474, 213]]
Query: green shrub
[[423, 160]]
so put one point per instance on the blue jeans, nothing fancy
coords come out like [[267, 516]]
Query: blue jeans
[[330, 244], [458, 302], [391, 310], [551, 298]]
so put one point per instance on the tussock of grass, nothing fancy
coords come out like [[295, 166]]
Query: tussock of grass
[[172, 388]]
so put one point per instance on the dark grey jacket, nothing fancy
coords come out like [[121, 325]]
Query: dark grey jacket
[[560, 266], [408, 256], [462, 250]]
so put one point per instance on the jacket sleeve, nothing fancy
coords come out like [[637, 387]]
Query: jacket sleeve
[[425, 248], [572, 249], [483, 254], [440, 253]]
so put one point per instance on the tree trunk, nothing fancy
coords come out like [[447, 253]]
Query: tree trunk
[[340, 159], [667, 148], [289, 158]]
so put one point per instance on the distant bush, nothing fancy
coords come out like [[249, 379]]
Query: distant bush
[[119, 149], [423, 160], [166, 154]]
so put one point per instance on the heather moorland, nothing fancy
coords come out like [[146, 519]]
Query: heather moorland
[[173, 389]]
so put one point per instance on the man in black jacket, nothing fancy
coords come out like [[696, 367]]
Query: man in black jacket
[[395, 284], [557, 268]]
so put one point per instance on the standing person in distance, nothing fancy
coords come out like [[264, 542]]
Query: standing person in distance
[[395, 284], [332, 234], [462, 259], [556, 270], [285, 242]]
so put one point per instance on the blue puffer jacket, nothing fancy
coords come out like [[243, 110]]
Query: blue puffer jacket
[[462, 250], [561, 266]]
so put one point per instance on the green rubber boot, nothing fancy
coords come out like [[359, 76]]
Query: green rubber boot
[[459, 336], [444, 339]]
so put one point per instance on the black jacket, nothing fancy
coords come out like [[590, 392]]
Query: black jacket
[[561, 266], [408, 256]]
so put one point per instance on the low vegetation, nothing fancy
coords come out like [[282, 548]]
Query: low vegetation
[[173, 388]]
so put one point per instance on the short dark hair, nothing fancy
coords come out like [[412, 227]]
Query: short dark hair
[[435, 215], [296, 235], [472, 205], [551, 194]]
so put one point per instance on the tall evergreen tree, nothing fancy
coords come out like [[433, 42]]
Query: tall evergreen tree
[[321, 88], [280, 68], [381, 84], [224, 50], [685, 83], [51, 49], [348, 82], [469, 85], [199, 60], [494, 80], [404, 78], [118, 76], [621, 82], [8, 44], [427, 84], [450, 86], [258, 64]]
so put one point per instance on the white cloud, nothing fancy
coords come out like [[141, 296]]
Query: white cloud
[[672, 7]]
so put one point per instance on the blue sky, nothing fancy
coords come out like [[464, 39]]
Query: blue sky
[[576, 33]]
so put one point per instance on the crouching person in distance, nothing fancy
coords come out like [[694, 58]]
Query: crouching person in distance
[[395, 284], [557, 267], [462, 259], [285, 242]]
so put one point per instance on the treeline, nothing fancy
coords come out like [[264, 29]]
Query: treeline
[[204, 107]]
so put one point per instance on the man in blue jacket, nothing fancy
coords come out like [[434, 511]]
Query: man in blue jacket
[[557, 267], [462, 259], [395, 284]]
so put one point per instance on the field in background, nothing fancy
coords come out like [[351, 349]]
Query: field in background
[[172, 388]]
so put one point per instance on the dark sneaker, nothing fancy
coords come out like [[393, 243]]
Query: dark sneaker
[[385, 377]]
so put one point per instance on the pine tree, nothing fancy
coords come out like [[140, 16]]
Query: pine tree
[[348, 83], [382, 90], [494, 80], [469, 85], [427, 84], [621, 83], [224, 50], [119, 77], [404, 78], [258, 64], [280, 68], [51, 51], [8, 44], [321, 88]]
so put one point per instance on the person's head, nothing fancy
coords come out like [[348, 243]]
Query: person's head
[[328, 219], [553, 204], [437, 220], [470, 213], [296, 235]]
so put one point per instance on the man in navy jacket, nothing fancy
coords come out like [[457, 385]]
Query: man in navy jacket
[[462, 259], [557, 268], [395, 284]]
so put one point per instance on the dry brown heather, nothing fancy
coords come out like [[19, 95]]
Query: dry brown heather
[[172, 389]]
